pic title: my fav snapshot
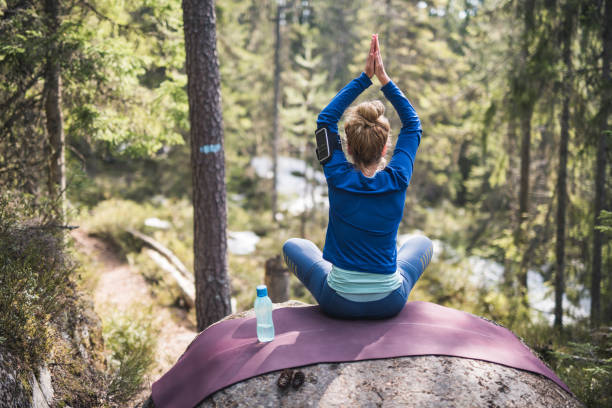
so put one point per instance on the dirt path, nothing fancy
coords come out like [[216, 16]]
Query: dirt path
[[121, 288]]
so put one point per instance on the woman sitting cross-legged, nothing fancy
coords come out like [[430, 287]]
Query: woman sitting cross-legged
[[360, 273]]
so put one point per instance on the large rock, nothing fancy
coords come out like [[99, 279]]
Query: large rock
[[20, 388], [423, 381], [426, 381], [14, 392], [76, 369]]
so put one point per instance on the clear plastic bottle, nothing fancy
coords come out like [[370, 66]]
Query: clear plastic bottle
[[263, 312]]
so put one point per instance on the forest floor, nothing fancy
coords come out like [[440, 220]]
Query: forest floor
[[120, 288]]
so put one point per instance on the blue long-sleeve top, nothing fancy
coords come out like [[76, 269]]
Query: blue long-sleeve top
[[365, 212]]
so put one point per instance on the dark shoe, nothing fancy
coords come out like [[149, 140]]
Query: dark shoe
[[285, 379], [298, 379]]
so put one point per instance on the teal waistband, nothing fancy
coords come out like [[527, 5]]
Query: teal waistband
[[362, 283]]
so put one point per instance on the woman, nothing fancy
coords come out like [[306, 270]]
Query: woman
[[360, 274]]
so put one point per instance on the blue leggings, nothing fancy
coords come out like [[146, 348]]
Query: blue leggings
[[306, 261]]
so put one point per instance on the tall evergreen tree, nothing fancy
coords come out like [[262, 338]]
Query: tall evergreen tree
[[525, 100], [207, 162], [279, 20], [53, 109], [305, 95], [567, 29], [600, 161], [340, 35], [530, 80]]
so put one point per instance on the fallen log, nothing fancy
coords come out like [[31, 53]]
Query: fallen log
[[187, 288], [178, 265]]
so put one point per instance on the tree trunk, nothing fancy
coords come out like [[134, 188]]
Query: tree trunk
[[600, 163], [275, 124], [523, 211], [567, 30], [277, 278], [509, 263], [53, 112], [465, 166], [208, 163], [526, 113], [305, 212]]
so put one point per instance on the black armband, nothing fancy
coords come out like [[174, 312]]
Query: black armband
[[327, 142]]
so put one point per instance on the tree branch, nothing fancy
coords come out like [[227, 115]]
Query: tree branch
[[101, 15], [22, 90]]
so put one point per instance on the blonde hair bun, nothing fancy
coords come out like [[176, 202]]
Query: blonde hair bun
[[367, 133], [370, 110]]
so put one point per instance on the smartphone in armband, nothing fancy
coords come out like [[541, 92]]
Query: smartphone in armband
[[324, 146]]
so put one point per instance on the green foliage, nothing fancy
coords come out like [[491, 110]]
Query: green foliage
[[130, 338], [121, 92], [245, 45], [587, 366], [305, 92], [582, 358], [34, 278], [605, 220], [139, 112], [23, 47]]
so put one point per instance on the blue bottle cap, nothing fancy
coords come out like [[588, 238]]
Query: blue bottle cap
[[262, 291]]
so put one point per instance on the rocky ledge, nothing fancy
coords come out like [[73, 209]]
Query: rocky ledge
[[420, 381]]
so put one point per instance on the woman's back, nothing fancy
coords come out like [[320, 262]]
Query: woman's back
[[360, 273], [362, 227]]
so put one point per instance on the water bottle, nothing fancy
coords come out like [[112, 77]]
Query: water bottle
[[263, 312]]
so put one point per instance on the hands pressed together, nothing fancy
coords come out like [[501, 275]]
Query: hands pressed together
[[374, 63]]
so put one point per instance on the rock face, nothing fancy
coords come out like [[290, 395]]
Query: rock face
[[19, 388], [13, 392], [72, 378], [427, 381], [423, 381]]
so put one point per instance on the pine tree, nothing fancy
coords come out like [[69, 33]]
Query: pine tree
[[600, 162], [567, 29], [305, 97], [208, 163], [278, 22]]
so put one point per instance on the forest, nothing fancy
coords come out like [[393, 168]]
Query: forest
[[109, 111]]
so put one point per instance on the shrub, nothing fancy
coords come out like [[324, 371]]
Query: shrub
[[34, 278], [131, 340], [586, 366]]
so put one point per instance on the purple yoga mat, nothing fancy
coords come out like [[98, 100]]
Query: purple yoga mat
[[229, 352]]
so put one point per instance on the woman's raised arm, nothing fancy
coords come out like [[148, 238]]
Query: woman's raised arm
[[409, 137], [332, 113]]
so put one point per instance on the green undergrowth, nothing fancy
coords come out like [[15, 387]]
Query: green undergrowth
[[580, 356], [111, 219], [130, 339]]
